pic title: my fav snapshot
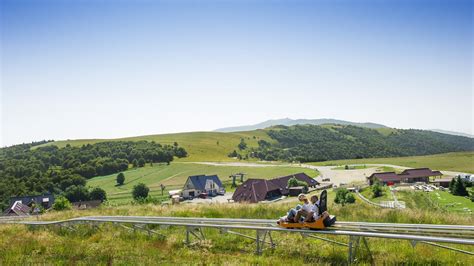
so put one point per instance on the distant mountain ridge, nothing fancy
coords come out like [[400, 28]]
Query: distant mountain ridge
[[292, 122], [453, 133]]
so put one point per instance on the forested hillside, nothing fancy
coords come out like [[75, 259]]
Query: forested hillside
[[308, 143], [24, 170]]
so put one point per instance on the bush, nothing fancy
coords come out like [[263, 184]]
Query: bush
[[120, 179], [233, 154], [350, 198], [148, 200], [343, 196], [293, 182], [61, 203], [98, 194], [140, 191], [376, 190]]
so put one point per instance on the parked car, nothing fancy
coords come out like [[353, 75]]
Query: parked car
[[203, 196]]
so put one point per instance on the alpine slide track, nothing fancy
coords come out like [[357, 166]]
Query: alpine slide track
[[441, 236]]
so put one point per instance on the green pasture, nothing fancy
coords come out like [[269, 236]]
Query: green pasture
[[454, 161], [201, 146], [174, 176]]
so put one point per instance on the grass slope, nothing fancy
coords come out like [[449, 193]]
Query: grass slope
[[107, 244], [454, 161], [201, 146], [174, 176]]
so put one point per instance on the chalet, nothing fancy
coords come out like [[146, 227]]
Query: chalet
[[198, 184], [407, 176], [17, 209], [46, 201], [255, 190], [282, 182]]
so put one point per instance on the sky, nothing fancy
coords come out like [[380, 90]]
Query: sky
[[108, 69]]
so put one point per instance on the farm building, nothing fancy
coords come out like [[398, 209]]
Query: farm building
[[46, 201], [255, 190], [282, 182], [198, 184], [17, 209], [407, 176]]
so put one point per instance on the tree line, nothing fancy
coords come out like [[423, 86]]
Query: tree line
[[33, 168], [310, 143]]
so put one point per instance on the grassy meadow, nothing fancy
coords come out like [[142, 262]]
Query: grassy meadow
[[454, 161], [201, 146], [110, 244], [174, 176]]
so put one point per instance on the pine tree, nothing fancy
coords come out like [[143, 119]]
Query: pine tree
[[460, 188], [451, 185]]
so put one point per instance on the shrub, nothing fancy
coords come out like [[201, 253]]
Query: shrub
[[293, 182], [61, 203], [242, 145], [343, 196], [376, 189], [350, 198], [233, 154], [140, 191], [98, 194], [147, 200], [120, 179]]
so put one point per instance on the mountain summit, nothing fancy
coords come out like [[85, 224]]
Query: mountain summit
[[292, 122]]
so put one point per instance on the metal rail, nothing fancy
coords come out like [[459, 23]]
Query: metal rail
[[356, 231], [455, 231]]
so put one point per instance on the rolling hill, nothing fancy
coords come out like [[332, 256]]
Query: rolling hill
[[331, 142], [292, 122]]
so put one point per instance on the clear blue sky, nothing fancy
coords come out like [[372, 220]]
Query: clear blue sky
[[100, 69]]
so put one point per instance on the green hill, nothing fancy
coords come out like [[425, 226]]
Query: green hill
[[201, 146], [305, 143]]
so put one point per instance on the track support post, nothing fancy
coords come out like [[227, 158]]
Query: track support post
[[261, 239], [354, 245], [193, 231]]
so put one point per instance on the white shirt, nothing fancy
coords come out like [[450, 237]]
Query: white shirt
[[315, 210], [307, 207]]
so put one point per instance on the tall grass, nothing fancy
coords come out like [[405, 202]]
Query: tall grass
[[110, 244]]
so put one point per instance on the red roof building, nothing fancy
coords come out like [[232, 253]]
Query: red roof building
[[282, 182], [255, 190], [407, 176]]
